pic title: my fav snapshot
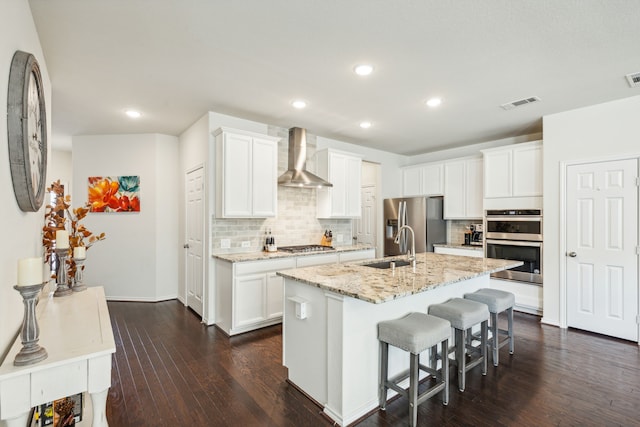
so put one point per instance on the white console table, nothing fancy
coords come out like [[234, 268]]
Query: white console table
[[76, 332]]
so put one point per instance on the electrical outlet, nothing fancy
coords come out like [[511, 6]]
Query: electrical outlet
[[339, 238], [246, 244], [225, 243]]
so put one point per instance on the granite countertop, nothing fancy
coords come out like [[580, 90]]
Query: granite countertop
[[378, 286], [259, 256], [459, 246]]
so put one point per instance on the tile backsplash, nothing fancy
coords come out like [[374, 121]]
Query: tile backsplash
[[456, 230], [296, 222]]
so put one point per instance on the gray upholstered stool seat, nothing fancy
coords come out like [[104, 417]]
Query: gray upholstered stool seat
[[497, 301], [415, 333], [463, 314]]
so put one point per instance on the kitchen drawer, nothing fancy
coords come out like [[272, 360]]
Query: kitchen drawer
[[459, 252], [310, 260], [357, 255], [254, 267], [48, 385]]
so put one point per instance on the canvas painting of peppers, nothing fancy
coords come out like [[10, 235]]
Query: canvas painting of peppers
[[114, 193]]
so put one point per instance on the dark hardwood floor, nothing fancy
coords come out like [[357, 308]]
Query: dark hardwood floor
[[170, 370]]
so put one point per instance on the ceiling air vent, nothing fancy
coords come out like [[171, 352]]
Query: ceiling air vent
[[633, 79], [519, 102]]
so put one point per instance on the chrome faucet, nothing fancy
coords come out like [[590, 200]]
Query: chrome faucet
[[411, 253]]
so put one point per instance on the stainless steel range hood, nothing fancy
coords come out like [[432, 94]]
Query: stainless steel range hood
[[297, 174]]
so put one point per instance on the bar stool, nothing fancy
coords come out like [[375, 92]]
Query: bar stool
[[463, 314], [415, 333], [497, 301]]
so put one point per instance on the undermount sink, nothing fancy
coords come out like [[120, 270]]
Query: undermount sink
[[387, 264]]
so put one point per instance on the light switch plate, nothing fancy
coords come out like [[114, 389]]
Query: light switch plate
[[225, 243], [339, 238], [246, 244]]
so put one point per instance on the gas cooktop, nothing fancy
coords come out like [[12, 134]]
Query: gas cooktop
[[305, 248]]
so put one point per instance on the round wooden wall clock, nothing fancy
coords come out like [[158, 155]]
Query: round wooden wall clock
[[27, 131]]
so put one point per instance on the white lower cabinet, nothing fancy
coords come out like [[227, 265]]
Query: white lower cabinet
[[249, 295], [528, 296], [311, 260], [353, 256]]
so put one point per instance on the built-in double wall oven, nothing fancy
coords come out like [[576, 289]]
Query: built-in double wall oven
[[515, 234]]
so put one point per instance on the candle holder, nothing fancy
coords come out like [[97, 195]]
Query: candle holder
[[31, 351], [62, 279], [78, 284]]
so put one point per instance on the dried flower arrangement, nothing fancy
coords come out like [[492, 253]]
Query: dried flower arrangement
[[56, 217]]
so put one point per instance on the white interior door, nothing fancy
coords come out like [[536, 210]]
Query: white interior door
[[602, 240], [366, 224], [195, 237]]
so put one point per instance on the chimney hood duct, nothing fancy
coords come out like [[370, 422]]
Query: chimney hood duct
[[297, 174]]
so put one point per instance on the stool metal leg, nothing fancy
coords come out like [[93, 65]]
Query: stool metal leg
[[414, 370], [445, 371], [433, 358], [483, 344], [461, 357], [510, 317], [384, 360], [495, 338]]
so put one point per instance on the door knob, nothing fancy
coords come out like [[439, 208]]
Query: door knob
[[572, 254]]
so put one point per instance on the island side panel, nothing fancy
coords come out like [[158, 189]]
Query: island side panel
[[305, 340]]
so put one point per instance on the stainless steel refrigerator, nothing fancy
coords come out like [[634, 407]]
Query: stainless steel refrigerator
[[422, 214]]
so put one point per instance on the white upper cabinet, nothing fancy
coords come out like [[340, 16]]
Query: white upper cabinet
[[513, 171], [343, 170], [246, 174], [463, 189], [423, 180]]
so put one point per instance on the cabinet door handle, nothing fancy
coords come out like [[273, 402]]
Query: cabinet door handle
[[186, 246]]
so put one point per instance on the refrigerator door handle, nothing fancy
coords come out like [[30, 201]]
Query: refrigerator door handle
[[402, 221]]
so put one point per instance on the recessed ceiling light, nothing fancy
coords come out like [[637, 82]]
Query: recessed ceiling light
[[363, 69], [365, 125], [299, 104], [133, 114], [434, 102]]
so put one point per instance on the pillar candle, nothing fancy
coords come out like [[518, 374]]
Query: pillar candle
[[79, 252], [62, 239], [29, 271]]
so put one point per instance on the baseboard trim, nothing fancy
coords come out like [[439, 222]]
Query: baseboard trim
[[139, 299]]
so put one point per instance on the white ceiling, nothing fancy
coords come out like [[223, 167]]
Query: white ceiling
[[175, 59]]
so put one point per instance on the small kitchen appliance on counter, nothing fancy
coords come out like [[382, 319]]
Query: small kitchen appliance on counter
[[476, 234]]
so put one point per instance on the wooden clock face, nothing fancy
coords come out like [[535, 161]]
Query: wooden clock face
[[27, 132]]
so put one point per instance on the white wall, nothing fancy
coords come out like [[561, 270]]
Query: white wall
[[61, 168], [138, 261], [592, 133], [22, 230], [168, 247]]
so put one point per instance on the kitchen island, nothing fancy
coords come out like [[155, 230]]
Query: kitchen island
[[331, 312]]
